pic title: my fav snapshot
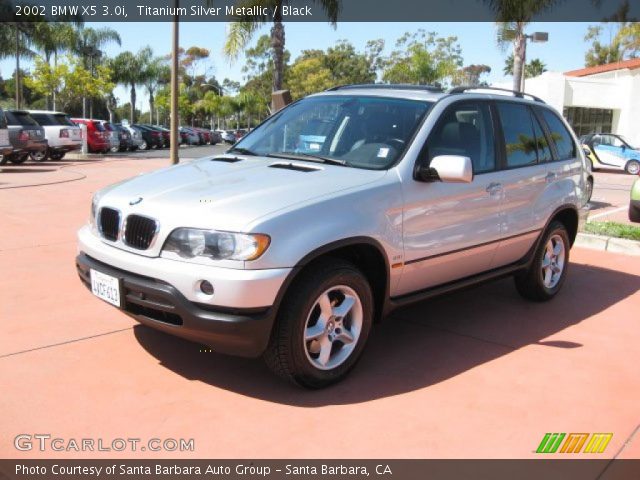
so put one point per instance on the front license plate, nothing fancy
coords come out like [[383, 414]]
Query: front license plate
[[105, 287]]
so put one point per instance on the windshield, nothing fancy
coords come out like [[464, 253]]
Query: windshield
[[357, 131], [626, 140]]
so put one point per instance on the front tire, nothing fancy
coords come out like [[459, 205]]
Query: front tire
[[548, 270], [323, 325], [634, 213]]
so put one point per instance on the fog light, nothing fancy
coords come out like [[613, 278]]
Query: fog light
[[206, 287]]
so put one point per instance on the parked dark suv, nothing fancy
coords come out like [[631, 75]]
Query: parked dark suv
[[26, 136]]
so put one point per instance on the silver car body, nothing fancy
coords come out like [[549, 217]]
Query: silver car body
[[430, 233]]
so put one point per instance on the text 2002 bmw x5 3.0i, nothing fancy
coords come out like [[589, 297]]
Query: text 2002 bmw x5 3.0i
[[334, 211]]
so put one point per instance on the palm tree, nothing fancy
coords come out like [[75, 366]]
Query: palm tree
[[512, 17], [53, 38], [252, 104], [132, 69], [88, 46], [15, 40], [157, 73], [241, 31]]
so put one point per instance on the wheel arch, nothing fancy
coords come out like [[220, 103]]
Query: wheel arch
[[366, 253]]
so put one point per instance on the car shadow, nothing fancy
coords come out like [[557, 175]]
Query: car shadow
[[594, 205], [26, 170], [417, 346]]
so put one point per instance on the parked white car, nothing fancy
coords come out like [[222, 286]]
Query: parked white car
[[227, 136], [114, 138], [62, 134]]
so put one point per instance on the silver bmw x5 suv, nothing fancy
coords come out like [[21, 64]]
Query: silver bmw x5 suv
[[333, 212]]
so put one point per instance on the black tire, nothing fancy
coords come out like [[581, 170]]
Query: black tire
[[144, 145], [531, 284], [288, 355], [634, 213], [57, 156], [4, 159], [589, 189], [19, 159], [632, 167], [39, 156]]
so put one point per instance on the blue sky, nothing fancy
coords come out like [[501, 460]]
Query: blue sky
[[564, 51]]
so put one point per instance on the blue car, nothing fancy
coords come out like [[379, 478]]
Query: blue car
[[611, 151]]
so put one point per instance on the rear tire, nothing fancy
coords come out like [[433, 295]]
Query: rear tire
[[19, 159], [634, 213], [632, 167], [322, 326], [548, 270], [39, 156], [57, 156]]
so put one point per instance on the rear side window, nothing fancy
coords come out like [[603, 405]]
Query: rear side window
[[63, 120], [465, 129], [43, 119], [559, 135], [519, 136], [544, 151], [21, 118]]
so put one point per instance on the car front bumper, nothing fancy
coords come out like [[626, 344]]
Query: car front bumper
[[161, 306]]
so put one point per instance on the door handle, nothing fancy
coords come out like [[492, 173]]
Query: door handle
[[551, 176], [494, 188]]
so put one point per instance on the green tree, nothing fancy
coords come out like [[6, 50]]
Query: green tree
[[241, 31], [612, 42], [15, 41], [132, 70], [70, 79], [534, 68], [423, 58], [512, 18], [471, 75], [88, 45], [53, 38]]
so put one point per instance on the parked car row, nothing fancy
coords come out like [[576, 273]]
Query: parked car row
[[199, 136], [36, 134]]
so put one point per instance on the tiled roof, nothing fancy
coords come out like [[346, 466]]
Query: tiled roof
[[609, 67]]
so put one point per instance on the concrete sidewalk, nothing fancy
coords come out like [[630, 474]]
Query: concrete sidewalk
[[477, 374]]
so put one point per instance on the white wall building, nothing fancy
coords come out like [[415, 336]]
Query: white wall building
[[604, 98]]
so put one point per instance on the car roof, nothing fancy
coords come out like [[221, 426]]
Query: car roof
[[428, 92], [51, 112]]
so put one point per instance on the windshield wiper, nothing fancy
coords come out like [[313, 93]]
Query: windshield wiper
[[242, 151], [308, 157]]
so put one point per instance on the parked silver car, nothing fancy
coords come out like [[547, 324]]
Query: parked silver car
[[274, 251]]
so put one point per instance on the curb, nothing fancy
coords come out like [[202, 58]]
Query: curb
[[609, 244]]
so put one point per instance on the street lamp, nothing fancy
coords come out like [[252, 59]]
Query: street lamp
[[536, 37]]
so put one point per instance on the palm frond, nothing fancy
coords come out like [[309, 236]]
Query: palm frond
[[239, 35]]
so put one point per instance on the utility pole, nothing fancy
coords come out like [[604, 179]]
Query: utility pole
[[175, 88]]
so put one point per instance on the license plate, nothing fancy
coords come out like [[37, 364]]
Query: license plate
[[105, 287]]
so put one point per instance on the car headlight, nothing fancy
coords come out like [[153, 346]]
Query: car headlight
[[193, 242], [93, 215]]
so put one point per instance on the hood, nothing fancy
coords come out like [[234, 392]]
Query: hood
[[229, 195]]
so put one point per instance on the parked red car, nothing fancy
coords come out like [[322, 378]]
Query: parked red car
[[204, 134], [97, 136]]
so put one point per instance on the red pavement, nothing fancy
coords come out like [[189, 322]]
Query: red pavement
[[477, 374]]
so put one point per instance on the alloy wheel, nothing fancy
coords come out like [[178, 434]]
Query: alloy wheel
[[553, 261], [333, 327]]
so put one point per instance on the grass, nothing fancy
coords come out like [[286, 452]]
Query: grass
[[613, 229]]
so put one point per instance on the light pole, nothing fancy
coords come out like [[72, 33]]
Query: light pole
[[174, 88], [518, 36]]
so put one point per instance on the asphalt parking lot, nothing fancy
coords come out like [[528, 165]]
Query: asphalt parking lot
[[477, 374], [610, 199]]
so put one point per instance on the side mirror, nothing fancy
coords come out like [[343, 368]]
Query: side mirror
[[448, 169], [586, 151]]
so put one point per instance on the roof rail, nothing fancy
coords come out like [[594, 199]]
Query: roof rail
[[463, 89], [387, 86]]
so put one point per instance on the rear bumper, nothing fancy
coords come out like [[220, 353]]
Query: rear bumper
[[161, 306], [65, 148]]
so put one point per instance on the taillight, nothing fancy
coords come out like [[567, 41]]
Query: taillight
[[65, 133], [155, 134], [23, 136]]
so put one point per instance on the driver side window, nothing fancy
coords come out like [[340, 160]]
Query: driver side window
[[465, 129]]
